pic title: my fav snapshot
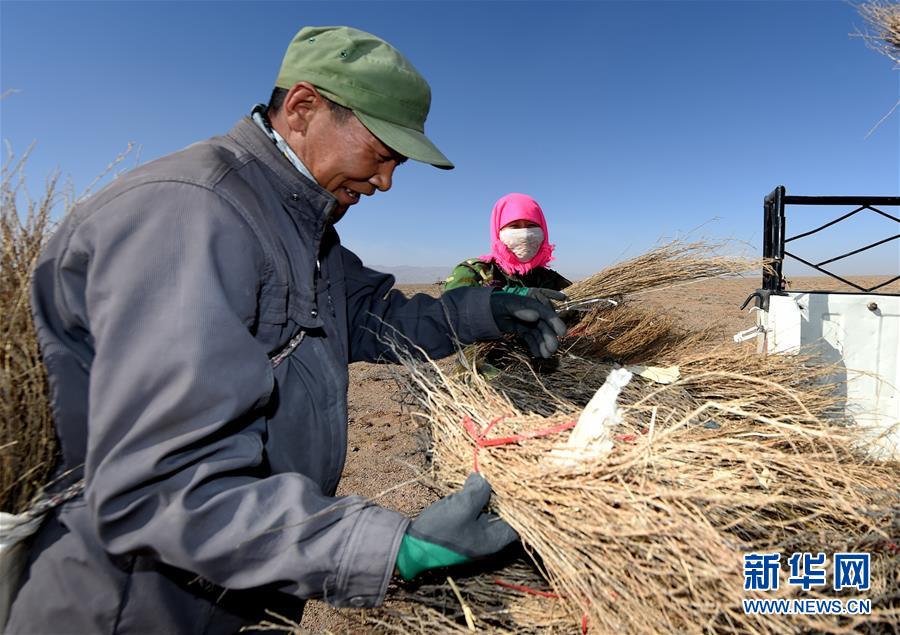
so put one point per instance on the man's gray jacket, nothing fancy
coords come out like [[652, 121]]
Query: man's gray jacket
[[210, 475]]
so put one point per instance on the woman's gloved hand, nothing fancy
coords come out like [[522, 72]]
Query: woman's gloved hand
[[454, 530], [536, 323], [544, 296]]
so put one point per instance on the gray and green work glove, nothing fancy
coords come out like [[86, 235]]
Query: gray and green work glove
[[454, 530], [544, 296], [532, 320]]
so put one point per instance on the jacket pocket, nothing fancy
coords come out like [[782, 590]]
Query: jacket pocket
[[273, 303]]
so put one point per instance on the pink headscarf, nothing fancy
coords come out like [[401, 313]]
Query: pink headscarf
[[513, 207]]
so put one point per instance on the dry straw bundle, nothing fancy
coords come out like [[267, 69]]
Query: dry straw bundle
[[882, 34], [515, 599], [27, 437], [883, 20], [28, 444], [670, 264], [630, 332], [627, 334], [741, 454], [649, 537]]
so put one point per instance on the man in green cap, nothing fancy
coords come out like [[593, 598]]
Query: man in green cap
[[197, 317]]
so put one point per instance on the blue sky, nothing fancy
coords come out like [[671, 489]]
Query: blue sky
[[627, 121]]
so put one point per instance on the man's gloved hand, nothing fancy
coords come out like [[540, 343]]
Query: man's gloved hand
[[454, 530], [533, 321], [543, 296]]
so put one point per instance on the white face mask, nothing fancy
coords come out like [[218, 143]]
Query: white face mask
[[524, 242]]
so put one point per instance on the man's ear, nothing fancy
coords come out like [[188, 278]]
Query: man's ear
[[300, 104]]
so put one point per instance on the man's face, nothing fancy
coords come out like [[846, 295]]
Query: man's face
[[346, 159]]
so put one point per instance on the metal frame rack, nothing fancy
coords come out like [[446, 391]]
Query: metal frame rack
[[774, 239]]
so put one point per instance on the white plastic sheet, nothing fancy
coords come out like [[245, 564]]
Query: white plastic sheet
[[14, 534]]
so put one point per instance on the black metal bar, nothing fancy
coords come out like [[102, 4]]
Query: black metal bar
[[856, 251], [775, 225], [842, 200], [818, 229], [884, 284], [893, 218], [782, 228], [833, 275], [767, 239], [773, 215]]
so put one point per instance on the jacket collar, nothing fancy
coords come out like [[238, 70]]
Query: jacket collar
[[259, 117], [302, 195], [308, 204]]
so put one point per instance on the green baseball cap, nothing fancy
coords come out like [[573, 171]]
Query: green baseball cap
[[370, 77]]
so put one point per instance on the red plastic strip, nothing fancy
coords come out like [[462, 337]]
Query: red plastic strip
[[543, 594], [482, 442], [487, 443], [525, 589]]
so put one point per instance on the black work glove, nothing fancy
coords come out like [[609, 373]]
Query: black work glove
[[544, 296], [454, 530], [534, 322]]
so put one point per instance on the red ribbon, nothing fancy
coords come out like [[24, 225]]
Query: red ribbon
[[528, 590], [481, 440], [543, 594]]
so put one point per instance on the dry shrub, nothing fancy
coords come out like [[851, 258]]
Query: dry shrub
[[670, 264], [624, 333], [515, 599], [882, 35], [732, 458], [27, 438], [743, 453], [28, 444], [883, 20]]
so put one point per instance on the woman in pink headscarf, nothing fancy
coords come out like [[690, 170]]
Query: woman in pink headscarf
[[520, 251]]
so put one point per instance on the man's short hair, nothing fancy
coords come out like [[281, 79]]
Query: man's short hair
[[276, 101]]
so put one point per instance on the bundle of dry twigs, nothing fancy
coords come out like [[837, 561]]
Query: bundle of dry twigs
[[650, 537], [515, 599], [672, 263], [883, 20], [742, 453], [28, 444], [27, 438]]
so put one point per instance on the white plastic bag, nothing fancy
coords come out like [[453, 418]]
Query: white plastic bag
[[14, 533], [591, 435]]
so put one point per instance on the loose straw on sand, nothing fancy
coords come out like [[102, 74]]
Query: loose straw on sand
[[742, 454], [650, 537]]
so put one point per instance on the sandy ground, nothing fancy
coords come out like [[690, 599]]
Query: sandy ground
[[387, 449]]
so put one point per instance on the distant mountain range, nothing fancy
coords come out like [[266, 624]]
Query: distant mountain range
[[411, 274]]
